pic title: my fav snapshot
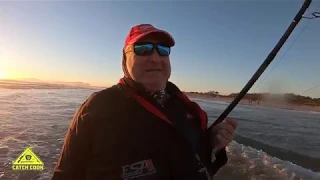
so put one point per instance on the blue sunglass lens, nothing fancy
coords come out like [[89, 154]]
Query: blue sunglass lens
[[143, 49], [163, 50], [147, 49]]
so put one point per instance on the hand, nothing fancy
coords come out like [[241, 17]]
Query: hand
[[223, 133]]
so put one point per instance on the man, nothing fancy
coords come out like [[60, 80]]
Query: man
[[144, 127]]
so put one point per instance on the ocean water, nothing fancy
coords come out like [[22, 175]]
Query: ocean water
[[271, 143]]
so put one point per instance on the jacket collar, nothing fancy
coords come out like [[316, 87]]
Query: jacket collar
[[172, 90], [139, 89]]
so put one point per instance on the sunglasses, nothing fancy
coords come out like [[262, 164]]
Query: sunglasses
[[146, 49]]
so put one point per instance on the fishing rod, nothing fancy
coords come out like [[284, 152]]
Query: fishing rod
[[262, 68], [265, 64]]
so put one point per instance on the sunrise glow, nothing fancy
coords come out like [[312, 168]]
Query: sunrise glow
[[2, 75]]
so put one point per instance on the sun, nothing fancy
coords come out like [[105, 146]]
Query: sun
[[2, 75]]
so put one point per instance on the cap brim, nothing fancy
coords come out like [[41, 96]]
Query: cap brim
[[162, 35]]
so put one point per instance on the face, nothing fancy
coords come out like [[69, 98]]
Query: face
[[153, 71]]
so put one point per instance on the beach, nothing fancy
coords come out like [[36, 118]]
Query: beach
[[261, 103]]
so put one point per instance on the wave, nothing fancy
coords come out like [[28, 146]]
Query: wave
[[247, 163], [209, 101], [313, 112], [312, 163]]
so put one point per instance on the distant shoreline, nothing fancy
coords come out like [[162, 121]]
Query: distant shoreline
[[18, 84], [262, 103]]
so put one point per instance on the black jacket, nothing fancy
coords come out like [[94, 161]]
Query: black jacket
[[123, 133]]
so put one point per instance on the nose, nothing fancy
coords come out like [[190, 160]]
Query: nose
[[154, 56]]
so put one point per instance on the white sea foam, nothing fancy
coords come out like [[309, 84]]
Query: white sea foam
[[250, 163]]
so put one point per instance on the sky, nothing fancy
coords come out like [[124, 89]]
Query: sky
[[219, 44]]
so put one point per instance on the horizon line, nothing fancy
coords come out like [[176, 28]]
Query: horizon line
[[80, 84]]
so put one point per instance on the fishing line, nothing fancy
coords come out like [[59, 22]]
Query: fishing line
[[311, 88], [265, 63], [262, 68], [313, 15], [285, 53]]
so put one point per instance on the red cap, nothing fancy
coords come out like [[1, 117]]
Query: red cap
[[141, 30]]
